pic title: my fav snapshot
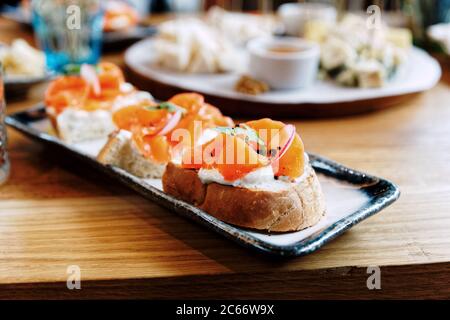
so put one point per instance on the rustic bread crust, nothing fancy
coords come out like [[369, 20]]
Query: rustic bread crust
[[120, 151], [292, 209]]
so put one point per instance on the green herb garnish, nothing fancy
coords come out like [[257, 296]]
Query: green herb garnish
[[169, 106], [249, 135], [72, 69], [75, 69]]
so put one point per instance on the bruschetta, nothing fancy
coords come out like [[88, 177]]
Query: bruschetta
[[80, 105], [255, 175], [148, 138], [119, 16]]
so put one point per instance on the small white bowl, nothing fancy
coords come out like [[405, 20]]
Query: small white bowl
[[295, 15], [296, 68]]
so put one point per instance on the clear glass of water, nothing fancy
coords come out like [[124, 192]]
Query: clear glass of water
[[68, 31], [4, 161]]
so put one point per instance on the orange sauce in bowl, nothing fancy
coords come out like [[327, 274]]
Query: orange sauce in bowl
[[284, 49]]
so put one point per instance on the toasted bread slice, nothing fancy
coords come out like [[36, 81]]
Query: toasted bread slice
[[75, 125], [297, 207], [122, 152]]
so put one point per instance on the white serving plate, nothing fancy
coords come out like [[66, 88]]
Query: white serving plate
[[420, 73]]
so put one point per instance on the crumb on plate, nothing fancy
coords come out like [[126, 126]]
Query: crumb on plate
[[251, 86]]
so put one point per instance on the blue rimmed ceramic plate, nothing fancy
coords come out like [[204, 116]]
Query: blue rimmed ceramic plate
[[351, 196]]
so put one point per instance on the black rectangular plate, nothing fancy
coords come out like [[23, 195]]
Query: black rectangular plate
[[379, 192]]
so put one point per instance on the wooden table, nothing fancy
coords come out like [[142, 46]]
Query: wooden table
[[55, 213]]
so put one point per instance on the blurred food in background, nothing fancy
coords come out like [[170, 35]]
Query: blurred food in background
[[119, 15], [21, 59], [190, 45], [249, 52], [214, 42], [355, 55], [209, 45], [240, 27]]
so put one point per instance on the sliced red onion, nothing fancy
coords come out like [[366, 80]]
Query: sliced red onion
[[290, 129], [89, 74], [172, 123]]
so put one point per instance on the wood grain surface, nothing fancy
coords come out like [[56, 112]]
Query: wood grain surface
[[55, 212]]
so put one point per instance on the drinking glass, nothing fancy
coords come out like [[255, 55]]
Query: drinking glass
[[4, 161], [68, 31]]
